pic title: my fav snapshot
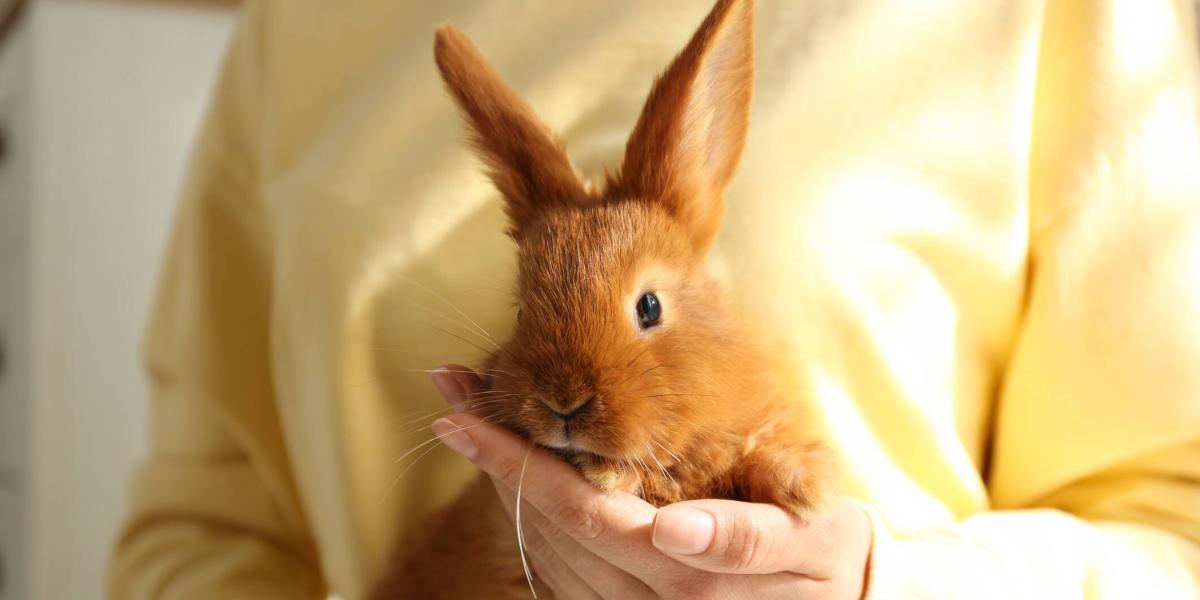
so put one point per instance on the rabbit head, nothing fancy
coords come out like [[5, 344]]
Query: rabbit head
[[623, 348]]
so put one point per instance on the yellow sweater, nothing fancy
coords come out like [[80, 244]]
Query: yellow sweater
[[972, 227]]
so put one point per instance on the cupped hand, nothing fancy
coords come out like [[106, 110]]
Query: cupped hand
[[586, 543]]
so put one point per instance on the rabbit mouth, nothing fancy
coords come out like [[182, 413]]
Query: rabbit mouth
[[576, 455], [570, 448], [566, 437]]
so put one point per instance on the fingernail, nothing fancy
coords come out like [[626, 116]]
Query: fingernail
[[454, 437], [683, 530], [449, 387]]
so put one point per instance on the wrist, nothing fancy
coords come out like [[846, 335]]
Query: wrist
[[919, 565]]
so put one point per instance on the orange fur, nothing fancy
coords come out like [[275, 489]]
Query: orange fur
[[525, 161], [692, 395]]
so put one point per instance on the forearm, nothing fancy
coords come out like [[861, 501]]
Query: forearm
[[1041, 553], [184, 558], [207, 529]]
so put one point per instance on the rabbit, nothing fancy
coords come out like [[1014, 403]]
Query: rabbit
[[625, 360]]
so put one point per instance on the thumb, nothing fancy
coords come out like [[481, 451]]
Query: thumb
[[725, 536]]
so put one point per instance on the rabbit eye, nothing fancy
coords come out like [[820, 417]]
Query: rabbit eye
[[520, 313], [649, 310]]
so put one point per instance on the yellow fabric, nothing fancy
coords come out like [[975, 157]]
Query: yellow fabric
[[971, 229]]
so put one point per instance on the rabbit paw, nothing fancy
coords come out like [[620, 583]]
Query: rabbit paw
[[794, 478]]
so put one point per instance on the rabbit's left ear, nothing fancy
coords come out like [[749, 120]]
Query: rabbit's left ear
[[525, 161], [689, 139]]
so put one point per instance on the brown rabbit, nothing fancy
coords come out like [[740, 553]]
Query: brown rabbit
[[625, 360]]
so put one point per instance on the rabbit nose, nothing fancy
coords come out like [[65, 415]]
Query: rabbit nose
[[571, 413]]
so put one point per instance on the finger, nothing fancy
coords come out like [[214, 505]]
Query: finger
[[596, 572], [457, 384], [725, 536], [566, 553], [554, 569], [615, 526], [507, 497], [550, 568], [774, 586]]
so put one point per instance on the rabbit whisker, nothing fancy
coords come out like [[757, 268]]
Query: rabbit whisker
[[392, 486], [437, 438], [667, 450], [465, 340], [494, 371], [691, 395], [433, 415], [456, 322], [517, 522], [627, 379], [492, 392], [359, 384], [665, 473], [639, 355], [432, 292], [438, 370]]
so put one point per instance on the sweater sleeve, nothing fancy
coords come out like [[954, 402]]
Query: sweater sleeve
[[213, 509], [1131, 532], [1095, 461]]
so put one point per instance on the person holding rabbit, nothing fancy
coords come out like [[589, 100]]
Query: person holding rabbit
[[917, 318]]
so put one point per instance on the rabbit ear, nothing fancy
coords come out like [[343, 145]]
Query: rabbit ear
[[689, 138], [525, 161]]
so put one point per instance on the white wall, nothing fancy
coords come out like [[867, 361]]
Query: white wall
[[118, 92]]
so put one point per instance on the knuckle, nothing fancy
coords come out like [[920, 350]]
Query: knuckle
[[691, 587], [508, 471], [542, 558], [540, 551], [578, 518], [547, 575], [536, 544], [746, 547]]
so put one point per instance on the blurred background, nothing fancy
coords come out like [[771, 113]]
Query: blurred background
[[98, 103], [99, 100]]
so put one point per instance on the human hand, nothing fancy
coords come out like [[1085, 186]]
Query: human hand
[[585, 543]]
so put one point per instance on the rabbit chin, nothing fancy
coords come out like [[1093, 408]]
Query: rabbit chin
[[602, 472]]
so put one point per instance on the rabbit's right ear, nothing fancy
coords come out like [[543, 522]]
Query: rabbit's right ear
[[525, 161]]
